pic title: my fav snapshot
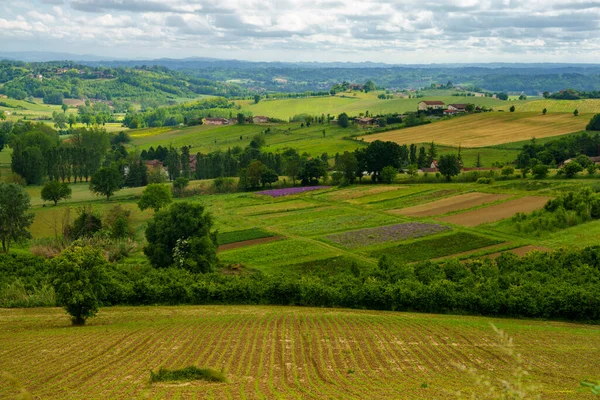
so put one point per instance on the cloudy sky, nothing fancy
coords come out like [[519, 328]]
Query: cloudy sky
[[423, 31]]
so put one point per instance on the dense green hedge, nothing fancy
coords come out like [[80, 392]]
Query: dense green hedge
[[560, 285]]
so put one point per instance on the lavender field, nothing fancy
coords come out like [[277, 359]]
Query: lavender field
[[384, 234]]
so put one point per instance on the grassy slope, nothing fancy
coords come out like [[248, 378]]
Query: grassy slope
[[487, 129], [285, 352], [353, 105], [586, 106]]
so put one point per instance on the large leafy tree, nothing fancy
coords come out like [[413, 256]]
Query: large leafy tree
[[79, 279], [380, 155], [343, 120], [449, 166], [106, 181], [181, 236], [348, 164], [55, 191], [155, 196], [15, 218]]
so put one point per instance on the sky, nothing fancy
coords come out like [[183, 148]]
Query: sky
[[399, 32]]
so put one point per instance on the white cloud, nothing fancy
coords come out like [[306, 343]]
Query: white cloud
[[384, 30]]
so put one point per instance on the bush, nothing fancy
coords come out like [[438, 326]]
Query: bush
[[118, 222], [224, 185], [388, 174], [572, 168], [485, 181], [187, 374], [179, 186], [508, 170], [85, 225], [540, 171], [155, 196]]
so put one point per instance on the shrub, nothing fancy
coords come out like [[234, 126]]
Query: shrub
[[508, 170], [187, 374], [388, 174], [179, 186], [118, 222], [223, 185], [572, 168], [85, 225], [485, 181], [540, 171]]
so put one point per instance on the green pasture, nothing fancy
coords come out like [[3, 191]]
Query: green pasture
[[354, 104], [585, 106]]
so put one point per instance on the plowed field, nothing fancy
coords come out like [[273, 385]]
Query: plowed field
[[460, 202], [277, 352], [496, 212]]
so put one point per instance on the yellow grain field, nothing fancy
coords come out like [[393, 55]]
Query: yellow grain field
[[486, 129]]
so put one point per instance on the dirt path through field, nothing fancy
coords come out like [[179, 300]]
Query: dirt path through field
[[455, 203], [496, 212], [252, 242]]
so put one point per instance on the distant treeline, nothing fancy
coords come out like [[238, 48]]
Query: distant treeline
[[554, 152], [56, 81], [563, 284], [572, 94]]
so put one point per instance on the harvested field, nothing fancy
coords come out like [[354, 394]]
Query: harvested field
[[486, 129], [251, 242], [497, 212], [444, 206], [283, 352], [520, 251], [384, 234]]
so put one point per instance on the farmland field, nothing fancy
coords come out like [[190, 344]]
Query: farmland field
[[283, 352], [353, 105], [585, 106], [496, 212], [486, 129], [455, 203]]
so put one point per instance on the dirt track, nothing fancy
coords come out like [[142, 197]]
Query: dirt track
[[496, 212], [460, 202]]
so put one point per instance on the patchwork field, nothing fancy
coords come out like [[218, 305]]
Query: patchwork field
[[496, 212], [283, 352], [486, 129], [455, 203]]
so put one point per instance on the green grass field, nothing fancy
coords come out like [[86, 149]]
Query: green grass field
[[586, 106], [285, 352], [354, 105]]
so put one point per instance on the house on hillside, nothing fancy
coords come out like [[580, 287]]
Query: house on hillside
[[431, 105], [365, 121], [595, 160], [215, 121], [259, 119], [457, 107]]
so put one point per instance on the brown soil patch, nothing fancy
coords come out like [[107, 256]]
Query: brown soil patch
[[73, 102], [496, 212], [466, 253], [245, 243], [444, 206], [520, 251]]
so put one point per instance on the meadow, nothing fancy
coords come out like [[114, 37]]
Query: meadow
[[356, 103], [285, 352]]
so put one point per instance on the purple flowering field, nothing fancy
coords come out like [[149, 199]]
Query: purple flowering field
[[384, 234], [290, 191]]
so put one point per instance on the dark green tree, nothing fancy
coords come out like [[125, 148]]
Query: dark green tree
[[380, 155], [55, 191], [512, 109], [181, 236], [576, 113], [106, 181], [343, 120], [594, 124], [572, 168], [15, 218], [369, 86], [545, 111], [268, 176], [348, 164], [256, 98], [449, 166]]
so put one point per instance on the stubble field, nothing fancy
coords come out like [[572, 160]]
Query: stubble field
[[283, 352], [487, 129]]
